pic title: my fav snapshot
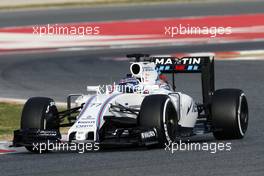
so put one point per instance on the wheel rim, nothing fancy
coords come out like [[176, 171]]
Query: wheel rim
[[171, 121], [243, 119], [51, 122]]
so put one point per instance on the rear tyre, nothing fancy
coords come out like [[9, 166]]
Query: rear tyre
[[39, 113], [157, 111], [229, 114]]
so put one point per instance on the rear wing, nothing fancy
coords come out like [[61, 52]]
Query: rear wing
[[193, 64], [180, 65], [203, 65]]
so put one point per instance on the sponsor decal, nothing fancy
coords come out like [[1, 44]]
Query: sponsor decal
[[85, 124], [148, 134], [177, 61], [167, 64]]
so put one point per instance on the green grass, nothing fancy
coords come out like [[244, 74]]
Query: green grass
[[9, 119], [10, 114]]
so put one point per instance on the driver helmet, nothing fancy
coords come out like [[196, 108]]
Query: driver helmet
[[127, 84]]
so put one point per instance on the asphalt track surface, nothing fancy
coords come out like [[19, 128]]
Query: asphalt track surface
[[57, 74]]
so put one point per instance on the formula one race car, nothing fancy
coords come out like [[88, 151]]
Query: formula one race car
[[143, 109]]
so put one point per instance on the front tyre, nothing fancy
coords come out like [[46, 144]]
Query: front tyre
[[39, 113], [157, 111], [229, 114]]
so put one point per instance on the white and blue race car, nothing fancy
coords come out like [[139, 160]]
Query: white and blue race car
[[143, 109]]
